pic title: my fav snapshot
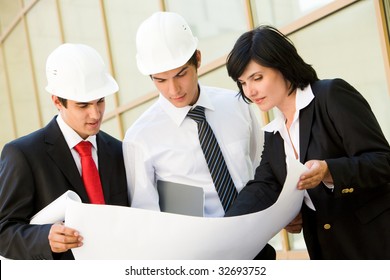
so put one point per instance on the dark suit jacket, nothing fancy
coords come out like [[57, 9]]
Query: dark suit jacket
[[35, 170], [353, 220]]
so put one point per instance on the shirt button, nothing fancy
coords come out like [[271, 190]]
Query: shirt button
[[327, 226]]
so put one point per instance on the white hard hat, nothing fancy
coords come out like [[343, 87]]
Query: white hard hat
[[77, 72], [164, 42]]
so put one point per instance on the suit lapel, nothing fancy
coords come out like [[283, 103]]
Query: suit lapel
[[59, 152], [277, 157], [305, 123], [105, 168]]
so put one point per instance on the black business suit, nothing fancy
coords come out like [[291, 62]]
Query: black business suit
[[353, 220], [34, 171]]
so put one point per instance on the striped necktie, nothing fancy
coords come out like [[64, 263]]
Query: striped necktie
[[220, 174]]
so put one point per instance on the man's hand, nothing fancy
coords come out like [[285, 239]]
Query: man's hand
[[62, 238]]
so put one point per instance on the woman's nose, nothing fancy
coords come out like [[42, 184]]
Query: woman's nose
[[250, 89]]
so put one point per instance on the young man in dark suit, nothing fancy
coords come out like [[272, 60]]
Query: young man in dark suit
[[39, 167]]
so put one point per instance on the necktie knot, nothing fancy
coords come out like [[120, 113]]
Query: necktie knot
[[197, 114], [84, 148], [89, 173]]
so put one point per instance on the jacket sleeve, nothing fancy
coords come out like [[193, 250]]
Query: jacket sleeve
[[261, 192], [19, 239], [366, 162]]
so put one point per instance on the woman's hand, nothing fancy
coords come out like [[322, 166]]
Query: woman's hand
[[318, 172], [295, 226]]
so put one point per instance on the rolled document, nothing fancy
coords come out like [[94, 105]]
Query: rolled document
[[117, 232], [55, 211]]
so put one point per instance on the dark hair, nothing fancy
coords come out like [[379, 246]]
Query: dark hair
[[193, 60], [63, 101], [268, 47]]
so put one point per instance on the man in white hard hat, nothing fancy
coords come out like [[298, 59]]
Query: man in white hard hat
[[39, 167], [163, 144]]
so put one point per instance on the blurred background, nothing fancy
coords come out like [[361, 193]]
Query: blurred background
[[346, 39]]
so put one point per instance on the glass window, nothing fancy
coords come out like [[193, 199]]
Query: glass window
[[28, 2], [9, 10], [129, 117], [6, 131], [386, 5], [83, 23], [346, 45], [111, 127], [123, 19], [218, 78], [283, 12], [21, 82], [217, 23], [44, 35]]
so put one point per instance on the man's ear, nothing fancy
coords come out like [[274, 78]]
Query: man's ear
[[198, 58], [56, 102]]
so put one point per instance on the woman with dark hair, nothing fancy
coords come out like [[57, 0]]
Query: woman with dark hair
[[328, 126]]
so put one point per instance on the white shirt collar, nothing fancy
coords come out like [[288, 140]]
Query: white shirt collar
[[179, 114], [71, 136], [302, 100]]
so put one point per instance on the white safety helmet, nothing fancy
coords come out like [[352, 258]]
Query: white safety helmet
[[164, 42], [77, 72]]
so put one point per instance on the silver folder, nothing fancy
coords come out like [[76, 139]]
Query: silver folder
[[180, 198]]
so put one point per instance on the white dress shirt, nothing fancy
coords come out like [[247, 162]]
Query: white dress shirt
[[72, 139], [302, 99], [163, 144]]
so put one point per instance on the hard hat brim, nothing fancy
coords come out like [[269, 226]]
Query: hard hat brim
[[109, 87]]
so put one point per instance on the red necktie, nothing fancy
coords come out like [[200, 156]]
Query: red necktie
[[89, 173]]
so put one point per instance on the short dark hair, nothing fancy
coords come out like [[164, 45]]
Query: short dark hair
[[63, 101], [193, 60], [268, 47]]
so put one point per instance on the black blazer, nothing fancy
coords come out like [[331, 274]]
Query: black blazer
[[34, 171], [352, 221]]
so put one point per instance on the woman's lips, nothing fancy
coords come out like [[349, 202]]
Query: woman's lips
[[258, 100]]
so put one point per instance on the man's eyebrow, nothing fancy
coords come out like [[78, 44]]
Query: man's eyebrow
[[182, 70], [177, 74]]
